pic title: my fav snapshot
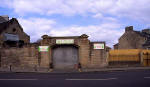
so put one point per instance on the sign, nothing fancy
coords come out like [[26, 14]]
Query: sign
[[11, 37], [99, 46], [64, 41], [43, 48]]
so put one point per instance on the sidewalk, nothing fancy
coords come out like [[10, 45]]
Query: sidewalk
[[116, 69], [108, 69]]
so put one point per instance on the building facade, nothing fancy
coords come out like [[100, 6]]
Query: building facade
[[11, 33], [58, 53], [132, 39], [62, 53], [68, 52]]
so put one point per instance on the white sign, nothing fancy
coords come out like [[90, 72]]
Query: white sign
[[99, 46], [64, 41], [43, 48]]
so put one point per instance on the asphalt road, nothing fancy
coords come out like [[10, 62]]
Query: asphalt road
[[100, 79]]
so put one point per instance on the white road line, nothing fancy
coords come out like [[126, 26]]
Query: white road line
[[94, 79], [147, 77], [18, 79]]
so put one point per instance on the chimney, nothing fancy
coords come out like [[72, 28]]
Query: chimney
[[129, 28], [4, 18]]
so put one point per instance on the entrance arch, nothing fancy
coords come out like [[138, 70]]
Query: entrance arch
[[65, 56]]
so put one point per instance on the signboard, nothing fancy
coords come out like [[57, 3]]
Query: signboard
[[43, 48], [99, 46], [11, 37], [64, 41]]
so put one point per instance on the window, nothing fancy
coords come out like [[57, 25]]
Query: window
[[14, 29], [148, 48]]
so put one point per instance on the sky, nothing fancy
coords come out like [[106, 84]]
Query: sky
[[101, 20]]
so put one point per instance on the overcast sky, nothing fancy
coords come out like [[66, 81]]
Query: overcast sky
[[102, 20]]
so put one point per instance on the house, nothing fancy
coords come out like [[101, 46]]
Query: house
[[132, 39], [116, 46], [11, 33], [4, 18]]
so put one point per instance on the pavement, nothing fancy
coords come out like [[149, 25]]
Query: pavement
[[116, 69], [107, 69], [133, 78]]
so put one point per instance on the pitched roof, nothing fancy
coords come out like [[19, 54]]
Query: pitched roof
[[116, 44], [144, 34], [6, 24]]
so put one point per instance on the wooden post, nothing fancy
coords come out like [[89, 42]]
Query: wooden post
[[147, 59], [141, 58]]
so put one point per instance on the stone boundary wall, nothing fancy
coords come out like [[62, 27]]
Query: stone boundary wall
[[19, 58], [98, 57]]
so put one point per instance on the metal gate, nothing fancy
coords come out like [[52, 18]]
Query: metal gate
[[65, 57]]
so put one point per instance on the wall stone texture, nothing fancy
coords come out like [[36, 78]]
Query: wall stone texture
[[97, 60], [19, 58], [98, 57], [30, 57]]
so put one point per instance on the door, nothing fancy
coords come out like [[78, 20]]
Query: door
[[65, 57]]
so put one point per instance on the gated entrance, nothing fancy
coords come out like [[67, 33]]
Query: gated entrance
[[65, 57]]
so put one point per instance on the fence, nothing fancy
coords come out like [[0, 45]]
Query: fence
[[129, 57], [146, 57], [125, 57]]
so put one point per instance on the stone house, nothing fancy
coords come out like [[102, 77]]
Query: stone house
[[132, 39], [11, 33]]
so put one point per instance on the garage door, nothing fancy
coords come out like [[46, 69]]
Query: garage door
[[65, 57]]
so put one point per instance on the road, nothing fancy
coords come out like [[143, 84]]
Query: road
[[138, 78]]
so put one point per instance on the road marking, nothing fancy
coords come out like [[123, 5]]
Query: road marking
[[147, 77], [94, 79], [18, 79]]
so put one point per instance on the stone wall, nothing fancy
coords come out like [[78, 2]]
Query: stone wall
[[29, 57], [88, 57], [81, 42], [98, 57], [19, 58], [84, 52]]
